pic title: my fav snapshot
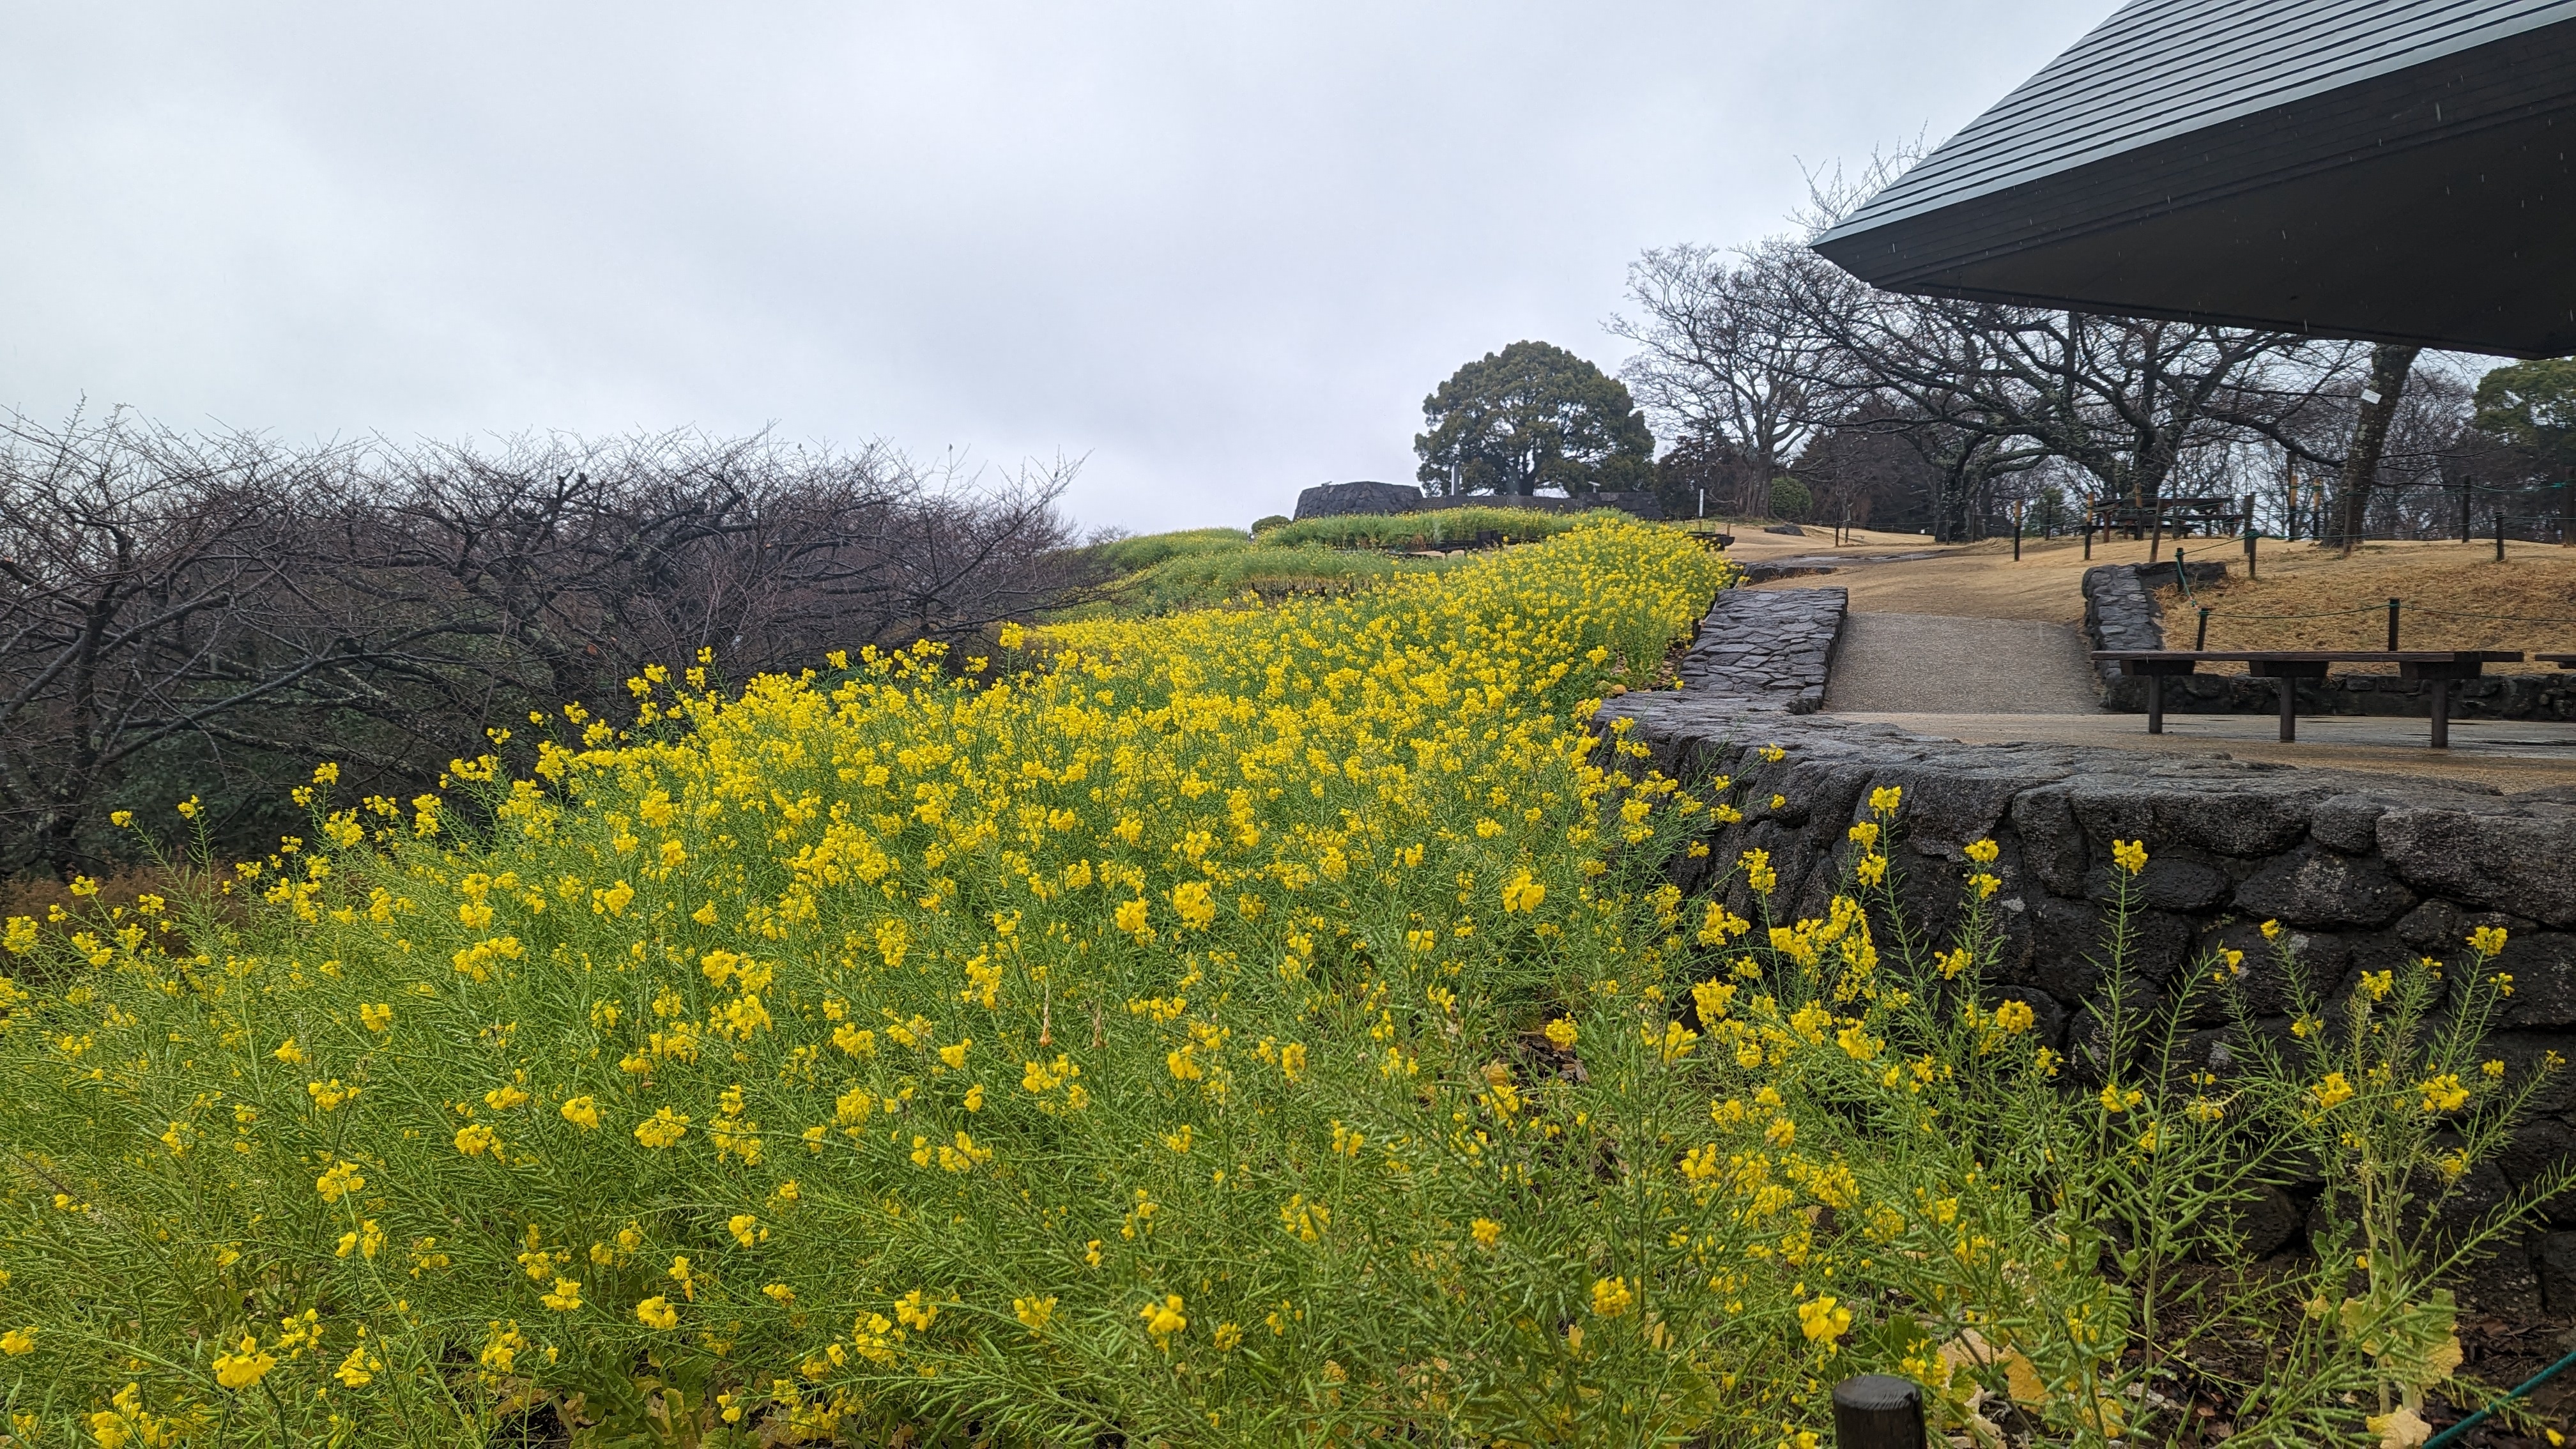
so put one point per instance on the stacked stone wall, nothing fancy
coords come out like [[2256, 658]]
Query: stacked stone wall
[[2368, 871]]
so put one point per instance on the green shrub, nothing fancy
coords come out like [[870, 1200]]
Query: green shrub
[[1791, 499], [1200, 580], [1128, 555], [1437, 527]]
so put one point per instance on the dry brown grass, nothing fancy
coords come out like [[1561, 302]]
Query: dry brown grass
[[33, 895], [2454, 597]]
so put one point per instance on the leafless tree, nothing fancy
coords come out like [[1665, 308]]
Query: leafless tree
[[1713, 361], [237, 601], [1770, 344], [2123, 399]]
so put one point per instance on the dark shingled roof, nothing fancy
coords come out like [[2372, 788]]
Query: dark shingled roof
[[2375, 168]]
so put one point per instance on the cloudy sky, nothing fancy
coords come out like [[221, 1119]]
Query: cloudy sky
[[1217, 251]]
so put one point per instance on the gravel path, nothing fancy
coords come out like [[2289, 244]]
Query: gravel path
[[1946, 664]]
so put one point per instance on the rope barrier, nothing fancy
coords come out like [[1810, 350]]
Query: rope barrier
[[2508, 618], [2182, 579], [2452, 1434]]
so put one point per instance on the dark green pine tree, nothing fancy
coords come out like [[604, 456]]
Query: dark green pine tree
[[1531, 416]]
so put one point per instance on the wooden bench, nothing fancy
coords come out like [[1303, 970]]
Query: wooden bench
[[2172, 515], [2437, 667], [2563, 661]]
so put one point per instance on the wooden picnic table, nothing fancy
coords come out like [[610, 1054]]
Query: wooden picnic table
[[2437, 667]]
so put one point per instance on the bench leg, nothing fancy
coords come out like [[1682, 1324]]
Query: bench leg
[[2289, 709], [2441, 714], [2155, 704]]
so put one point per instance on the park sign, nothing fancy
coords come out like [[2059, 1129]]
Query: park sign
[[2391, 170]]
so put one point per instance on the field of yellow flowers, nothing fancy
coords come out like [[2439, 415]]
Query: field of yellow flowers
[[1260, 1025]]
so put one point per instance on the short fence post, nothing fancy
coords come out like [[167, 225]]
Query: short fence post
[[2392, 626], [1877, 1411], [2499, 535], [2200, 639], [2088, 540], [2467, 486], [2250, 536]]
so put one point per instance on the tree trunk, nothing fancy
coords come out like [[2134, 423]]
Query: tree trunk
[[2390, 365]]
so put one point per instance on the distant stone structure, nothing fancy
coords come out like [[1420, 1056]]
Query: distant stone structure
[[1337, 500]]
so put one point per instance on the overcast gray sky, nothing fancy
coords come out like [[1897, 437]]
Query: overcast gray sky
[[1220, 251]]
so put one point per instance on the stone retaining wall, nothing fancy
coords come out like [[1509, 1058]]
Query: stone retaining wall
[[2369, 871], [2120, 613], [1766, 652]]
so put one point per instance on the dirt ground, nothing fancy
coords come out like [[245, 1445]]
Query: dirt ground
[[2453, 597], [1978, 579], [2442, 585]]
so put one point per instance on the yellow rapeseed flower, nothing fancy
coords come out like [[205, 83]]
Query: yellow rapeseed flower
[[1163, 1320], [663, 1128], [1612, 1296], [243, 1366], [1823, 1319], [338, 1181]]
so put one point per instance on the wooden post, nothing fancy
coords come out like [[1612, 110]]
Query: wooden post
[[2200, 639], [2088, 540], [2155, 704], [2392, 626], [2499, 533], [2289, 708], [2156, 543], [2016, 530], [2467, 486], [1877, 1411], [2250, 536], [2441, 714]]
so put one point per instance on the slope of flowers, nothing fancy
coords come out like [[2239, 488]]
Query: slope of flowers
[[1178, 1037], [1258, 1026]]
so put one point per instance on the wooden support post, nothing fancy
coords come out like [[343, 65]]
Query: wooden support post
[[2441, 714], [2289, 709], [2250, 536], [1877, 1411], [2467, 487], [2156, 541], [2499, 533], [2155, 704], [2016, 531], [2392, 626], [2200, 636], [2088, 540]]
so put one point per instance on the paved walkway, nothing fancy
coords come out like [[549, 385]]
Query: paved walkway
[[1948, 664]]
